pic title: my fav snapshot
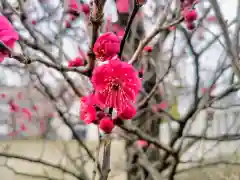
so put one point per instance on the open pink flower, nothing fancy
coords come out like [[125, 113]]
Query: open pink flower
[[76, 62], [8, 36], [87, 109], [116, 84], [106, 46], [129, 112]]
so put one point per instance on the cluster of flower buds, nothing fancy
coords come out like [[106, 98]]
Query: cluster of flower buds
[[24, 114], [73, 11], [189, 13], [74, 8], [115, 86]]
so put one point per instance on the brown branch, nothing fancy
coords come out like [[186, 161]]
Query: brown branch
[[147, 39], [106, 158], [7, 155], [134, 130]]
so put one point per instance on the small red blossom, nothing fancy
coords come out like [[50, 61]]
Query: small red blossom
[[87, 109], [129, 112], [67, 24], [190, 26], [13, 106], [35, 107], [148, 48], [27, 113], [73, 6], [172, 28], [115, 83], [72, 17], [106, 124], [85, 9], [8, 37], [190, 15], [34, 22], [76, 62], [142, 143], [23, 127], [3, 95], [106, 46]]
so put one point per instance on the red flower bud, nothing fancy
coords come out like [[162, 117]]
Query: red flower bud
[[190, 15], [190, 26], [106, 124], [148, 49]]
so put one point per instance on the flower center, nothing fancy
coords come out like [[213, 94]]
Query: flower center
[[115, 85]]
